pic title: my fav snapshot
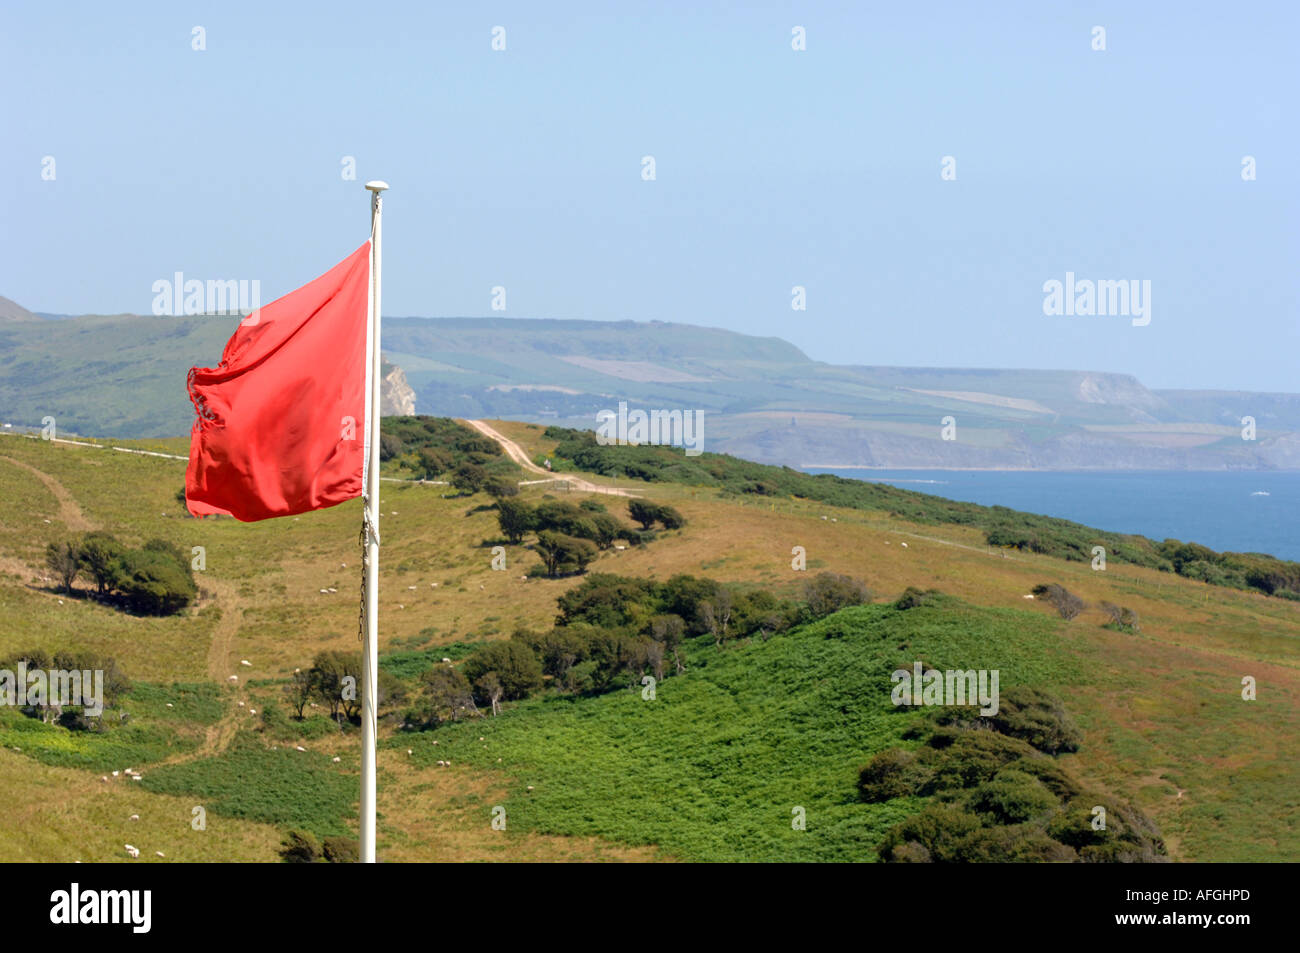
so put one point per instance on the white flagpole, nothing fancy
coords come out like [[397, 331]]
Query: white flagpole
[[370, 650]]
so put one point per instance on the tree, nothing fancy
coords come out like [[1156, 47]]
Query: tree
[[669, 630], [715, 614], [97, 554], [469, 478], [152, 582], [64, 560], [670, 518], [829, 592], [489, 685], [514, 665], [515, 518], [300, 690], [643, 512], [336, 678], [564, 554], [446, 695]]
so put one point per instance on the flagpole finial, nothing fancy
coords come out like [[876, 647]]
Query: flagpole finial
[[376, 185]]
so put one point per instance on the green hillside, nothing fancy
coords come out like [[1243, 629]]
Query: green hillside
[[763, 399], [773, 709]]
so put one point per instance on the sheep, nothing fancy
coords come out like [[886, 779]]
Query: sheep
[[133, 851], [233, 678], [244, 661], [337, 759], [409, 752], [446, 660], [252, 711], [105, 777], [160, 853], [1028, 596], [410, 587], [134, 817], [904, 545], [299, 748]]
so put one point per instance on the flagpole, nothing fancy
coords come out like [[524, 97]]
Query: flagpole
[[370, 650]]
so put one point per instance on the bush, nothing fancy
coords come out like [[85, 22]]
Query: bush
[[892, 773], [152, 582], [1013, 797], [1066, 603], [829, 592], [340, 850], [934, 834], [299, 847], [913, 597]]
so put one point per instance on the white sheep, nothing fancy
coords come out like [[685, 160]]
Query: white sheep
[[904, 545], [134, 817], [133, 851], [299, 748], [244, 661]]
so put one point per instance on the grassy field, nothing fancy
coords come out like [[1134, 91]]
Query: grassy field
[[710, 770]]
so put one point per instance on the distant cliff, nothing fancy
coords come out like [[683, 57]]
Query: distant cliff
[[396, 396]]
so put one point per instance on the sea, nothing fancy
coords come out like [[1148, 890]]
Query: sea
[[1244, 511]]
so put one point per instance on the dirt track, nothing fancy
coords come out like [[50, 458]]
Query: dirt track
[[517, 454]]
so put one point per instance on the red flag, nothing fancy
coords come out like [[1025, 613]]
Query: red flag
[[281, 420]]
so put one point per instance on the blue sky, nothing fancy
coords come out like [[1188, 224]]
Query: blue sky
[[774, 168]]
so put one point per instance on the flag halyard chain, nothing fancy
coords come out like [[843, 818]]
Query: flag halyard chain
[[367, 530]]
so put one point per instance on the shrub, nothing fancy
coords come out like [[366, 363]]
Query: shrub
[[936, 831], [299, 847], [1066, 603], [894, 772], [152, 582], [913, 597], [1013, 797], [1036, 717], [829, 592]]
